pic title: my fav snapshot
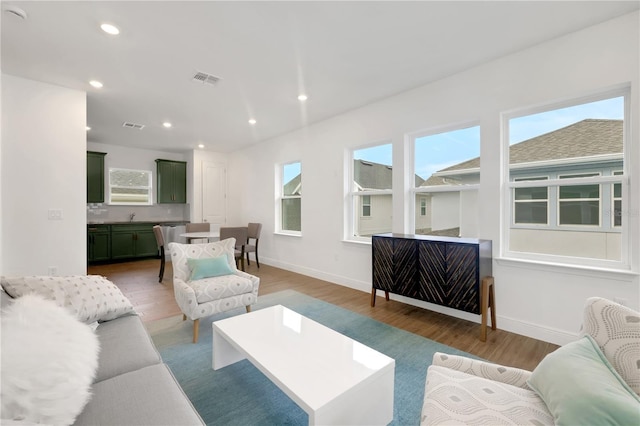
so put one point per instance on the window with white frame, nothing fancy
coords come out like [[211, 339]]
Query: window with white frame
[[423, 206], [446, 180], [574, 213], [290, 202], [530, 205], [616, 205], [370, 198], [366, 206], [130, 187]]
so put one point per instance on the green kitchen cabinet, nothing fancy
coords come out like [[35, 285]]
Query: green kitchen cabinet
[[171, 181], [98, 243], [95, 177], [132, 240]]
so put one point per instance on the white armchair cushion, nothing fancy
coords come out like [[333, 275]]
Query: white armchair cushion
[[216, 288], [456, 398]]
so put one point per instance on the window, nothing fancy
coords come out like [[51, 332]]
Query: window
[[130, 187], [370, 196], [531, 204], [566, 177], [617, 202], [366, 206], [423, 206], [579, 204], [290, 198], [446, 179]]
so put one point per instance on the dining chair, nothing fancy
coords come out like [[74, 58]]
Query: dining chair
[[157, 231], [197, 227], [240, 234], [253, 233]]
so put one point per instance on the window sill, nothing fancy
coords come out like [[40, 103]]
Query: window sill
[[288, 234], [358, 242], [581, 270]]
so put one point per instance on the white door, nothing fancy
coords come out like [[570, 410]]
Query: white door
[[214, 193]]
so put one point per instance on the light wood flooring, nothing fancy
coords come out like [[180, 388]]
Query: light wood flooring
[[138, 280]]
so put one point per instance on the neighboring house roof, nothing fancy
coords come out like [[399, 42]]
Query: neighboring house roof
[[293, 187], [367, 175], [370, 175], [586, 138]]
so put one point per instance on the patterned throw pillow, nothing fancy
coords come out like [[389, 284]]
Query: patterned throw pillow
[[616, 330], [89, 297]]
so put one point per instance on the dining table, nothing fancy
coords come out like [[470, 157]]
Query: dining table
[[208, 235]]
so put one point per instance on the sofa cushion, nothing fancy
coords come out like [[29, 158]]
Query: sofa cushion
[[49, 359], [149, 396], [616, 330], [454, 397], [126, 346], [580, 387], [90, 297]]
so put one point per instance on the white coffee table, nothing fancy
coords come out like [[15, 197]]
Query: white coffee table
[[335, 379]]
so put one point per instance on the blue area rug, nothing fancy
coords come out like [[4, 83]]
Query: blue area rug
[[240, 394]]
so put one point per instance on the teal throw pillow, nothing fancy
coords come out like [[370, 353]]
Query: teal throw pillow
[[209, 267], [580, 387]]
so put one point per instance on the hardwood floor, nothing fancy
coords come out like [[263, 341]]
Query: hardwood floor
[[139, 282]]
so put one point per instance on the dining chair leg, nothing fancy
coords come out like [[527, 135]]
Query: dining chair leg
[[257, 261], [162, 260]]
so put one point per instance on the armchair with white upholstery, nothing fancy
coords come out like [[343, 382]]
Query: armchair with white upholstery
[[592, 380], [207, 287]]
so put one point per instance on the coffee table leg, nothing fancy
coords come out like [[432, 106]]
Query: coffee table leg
[[223, 352]]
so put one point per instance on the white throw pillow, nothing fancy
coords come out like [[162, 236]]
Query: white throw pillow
[[90, 297], [49, 360]]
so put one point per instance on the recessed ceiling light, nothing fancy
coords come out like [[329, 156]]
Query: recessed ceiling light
[[302, 97], [166, 124], [88, 128], [200, 146], [252, 121], [96, 84], [110, 29]]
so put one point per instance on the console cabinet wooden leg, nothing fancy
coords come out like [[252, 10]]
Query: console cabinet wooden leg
[[373, 296], [487, 302]]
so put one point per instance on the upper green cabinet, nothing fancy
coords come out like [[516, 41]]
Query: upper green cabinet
[[172, 181], [95, 177]]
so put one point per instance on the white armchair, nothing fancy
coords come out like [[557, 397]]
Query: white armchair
[[207, 296]]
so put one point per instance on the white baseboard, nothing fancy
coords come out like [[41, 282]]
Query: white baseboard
[[534, 331]]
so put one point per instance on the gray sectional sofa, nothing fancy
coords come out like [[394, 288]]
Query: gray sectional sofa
[[132, 385]]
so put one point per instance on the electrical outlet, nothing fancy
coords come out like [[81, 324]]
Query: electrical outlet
[[55, 214], [53, 271]]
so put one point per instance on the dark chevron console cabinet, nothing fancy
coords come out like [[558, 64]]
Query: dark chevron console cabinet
[[442, 270]]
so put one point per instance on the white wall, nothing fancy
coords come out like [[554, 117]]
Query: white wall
[[538, 301], [43, 167]]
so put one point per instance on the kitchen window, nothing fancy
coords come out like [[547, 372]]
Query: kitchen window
[[130, 187]]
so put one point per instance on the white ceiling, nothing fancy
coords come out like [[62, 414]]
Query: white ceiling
[[342, 54]]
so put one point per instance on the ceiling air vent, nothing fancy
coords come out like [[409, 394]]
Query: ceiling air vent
[[133, 125], [204, 78]]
